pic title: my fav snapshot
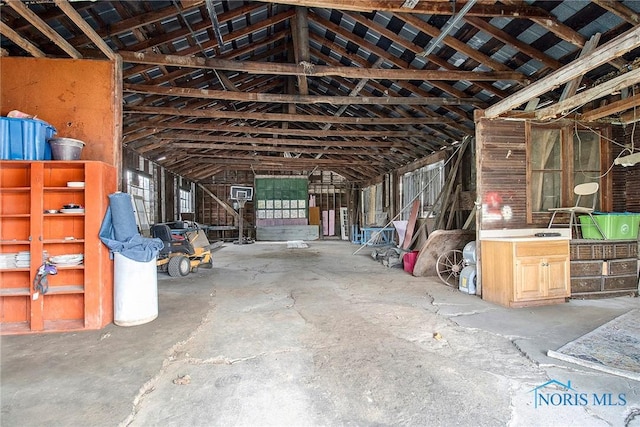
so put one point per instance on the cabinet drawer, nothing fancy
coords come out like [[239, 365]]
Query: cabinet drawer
[[586, 268], [541, 249], [623, 267]]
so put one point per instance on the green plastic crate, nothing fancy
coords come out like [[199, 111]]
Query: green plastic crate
[[615, 226]]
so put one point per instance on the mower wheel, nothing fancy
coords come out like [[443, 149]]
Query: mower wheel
[[179, 265], [208, 264]]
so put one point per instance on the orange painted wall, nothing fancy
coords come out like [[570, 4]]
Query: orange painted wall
[[79, 97]]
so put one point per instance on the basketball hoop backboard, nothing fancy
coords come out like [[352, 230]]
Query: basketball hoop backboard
[[241, 193]]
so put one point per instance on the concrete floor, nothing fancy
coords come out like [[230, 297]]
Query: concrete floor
[[315, 336]]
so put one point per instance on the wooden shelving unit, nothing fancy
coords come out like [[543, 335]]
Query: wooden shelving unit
[[79, 296]]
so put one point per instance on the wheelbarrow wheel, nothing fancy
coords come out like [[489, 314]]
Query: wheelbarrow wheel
[[179, 266], [449, 266]]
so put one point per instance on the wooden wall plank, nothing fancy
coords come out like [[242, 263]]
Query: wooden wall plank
[[502, 167]]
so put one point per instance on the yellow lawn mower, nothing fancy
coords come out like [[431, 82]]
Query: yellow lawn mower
[[185, 248]]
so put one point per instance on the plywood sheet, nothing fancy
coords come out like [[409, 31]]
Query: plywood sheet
[[75, 96]]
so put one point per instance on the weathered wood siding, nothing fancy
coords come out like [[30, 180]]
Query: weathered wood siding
[[502, 174], [626, 180]]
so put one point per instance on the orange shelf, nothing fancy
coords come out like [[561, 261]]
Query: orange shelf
[[80, 296]]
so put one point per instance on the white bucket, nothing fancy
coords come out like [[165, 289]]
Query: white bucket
[[135, 291]]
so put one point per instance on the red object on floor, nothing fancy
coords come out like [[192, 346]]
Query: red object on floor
[[409, 261]]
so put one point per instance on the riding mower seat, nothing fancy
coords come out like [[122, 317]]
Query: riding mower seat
[[172, 243]]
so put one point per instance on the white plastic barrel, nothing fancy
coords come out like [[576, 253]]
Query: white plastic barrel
[[135, 291]]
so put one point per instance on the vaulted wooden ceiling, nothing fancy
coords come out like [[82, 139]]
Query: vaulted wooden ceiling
[[358, 87]]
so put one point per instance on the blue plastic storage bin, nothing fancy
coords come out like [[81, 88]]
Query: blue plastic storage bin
[[25, 139]]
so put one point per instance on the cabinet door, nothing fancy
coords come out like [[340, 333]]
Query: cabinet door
[[557, 276], [530, 280]]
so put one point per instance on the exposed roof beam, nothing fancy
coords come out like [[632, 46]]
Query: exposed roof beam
[[453, 42], [506, 38], [433, 60], [605, 53], [283, 161], [620, 10], [295, 99], [300, 33], [284, 117], [44, 28], [552, 24], [629, 117], [86, 28], [176, 35], [390, 58], [215, 127], [278, 149], [612, 108], [251, 141], [571, 88], [9, 33], [623, 81], [423, 7], [316, 70]]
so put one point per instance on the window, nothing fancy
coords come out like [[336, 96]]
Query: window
[[559, 159], [186, 201], [140, 184], [425, 183], [546, 169]]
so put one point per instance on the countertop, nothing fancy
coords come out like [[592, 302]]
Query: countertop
[[529, 238]]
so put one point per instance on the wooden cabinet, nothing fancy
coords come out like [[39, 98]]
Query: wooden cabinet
[[523, 272], [79, 296]]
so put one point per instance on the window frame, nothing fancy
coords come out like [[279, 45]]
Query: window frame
[[567, 171], [416, 180], [141, 184]]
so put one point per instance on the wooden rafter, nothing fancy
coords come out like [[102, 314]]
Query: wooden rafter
[[282, 117], [432, 58], [620, 10], [236, 95], [424, 7], [273, 149], [316, 70], [253, 141], [86, 28], [44, 28], [621, 82], [215, 127], [605, 53], [612, 108], [300, 34], [391, 59], [525, 48], [9, 33], [551, 24]]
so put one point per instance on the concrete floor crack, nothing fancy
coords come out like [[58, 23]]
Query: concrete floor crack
[[173, 354], [633, 413], [222, 360]]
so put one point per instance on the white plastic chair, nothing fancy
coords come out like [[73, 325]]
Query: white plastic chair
[[586, 189]]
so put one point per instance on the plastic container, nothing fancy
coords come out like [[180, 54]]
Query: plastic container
[[66, 148], [135, 294], [25, 139], [409, 261], [615, 226]]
